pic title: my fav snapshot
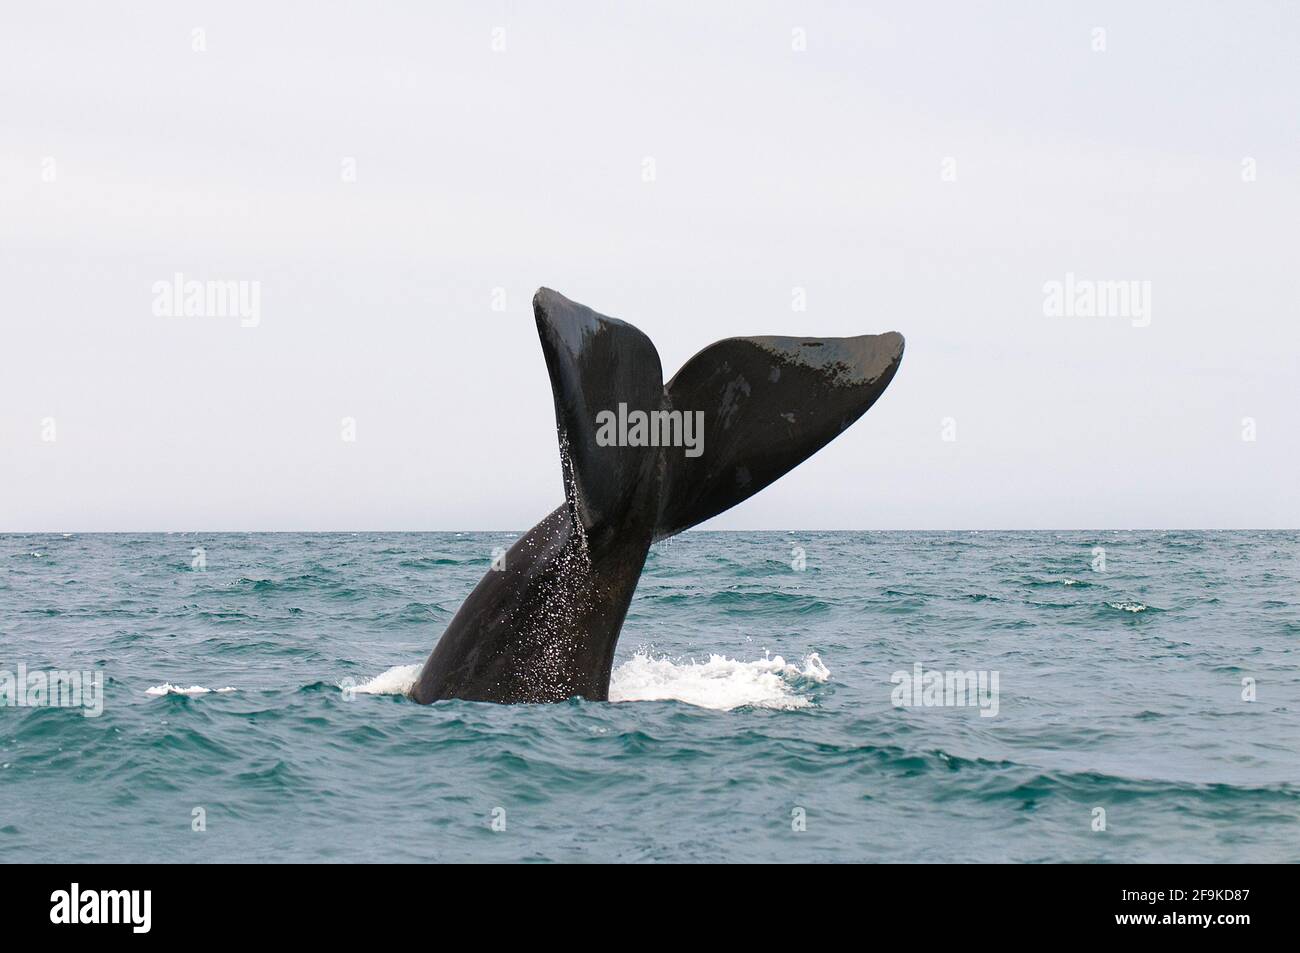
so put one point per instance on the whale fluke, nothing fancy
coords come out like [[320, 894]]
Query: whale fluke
[[597, 363], [771, 403], [640, 462]]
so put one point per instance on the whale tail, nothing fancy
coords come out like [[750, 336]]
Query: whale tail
[[543, 625], [753, 408]]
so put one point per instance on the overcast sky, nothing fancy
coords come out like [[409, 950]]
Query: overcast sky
[[378, 171]]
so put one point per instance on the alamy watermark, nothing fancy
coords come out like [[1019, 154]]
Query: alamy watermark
[[655, 428], [53, 689], [1085, 298], [935, 689], [181, 298], [128, 907]]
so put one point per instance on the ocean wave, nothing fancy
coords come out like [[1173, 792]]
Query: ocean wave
[[721, 683], [414, 613], [737, 600], [167, 688], [423, 562], [1041, 582], [1129, 606]]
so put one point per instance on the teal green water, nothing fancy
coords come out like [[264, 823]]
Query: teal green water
[[1120, 690]]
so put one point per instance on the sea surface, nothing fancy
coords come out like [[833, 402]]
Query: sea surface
[[1147, 703]]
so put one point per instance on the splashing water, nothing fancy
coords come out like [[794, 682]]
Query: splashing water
[[167, 688], [397, 680], [721, 683]]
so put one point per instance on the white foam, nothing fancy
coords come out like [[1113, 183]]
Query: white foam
[[398, 680], [167, 688], [721, 683], [1128, 606]]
